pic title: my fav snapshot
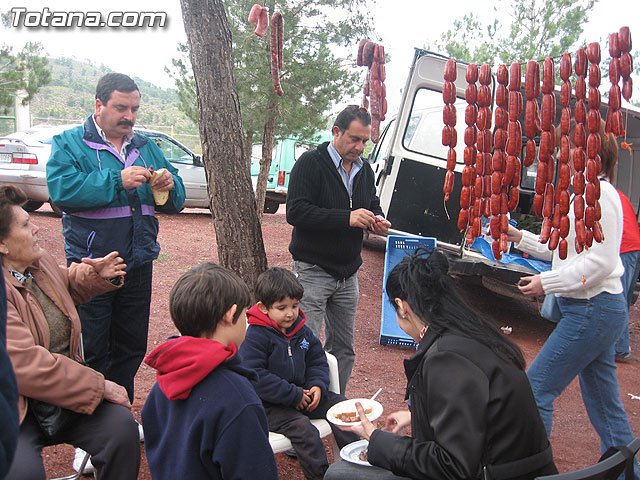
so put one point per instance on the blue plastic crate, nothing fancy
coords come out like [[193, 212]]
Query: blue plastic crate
[[398, 246]]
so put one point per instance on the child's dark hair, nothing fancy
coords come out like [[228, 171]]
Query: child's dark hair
[[423, 282], [201, 297], [276, 284]]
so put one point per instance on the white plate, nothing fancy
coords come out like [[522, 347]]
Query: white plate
[[350, 452], [350, 406]]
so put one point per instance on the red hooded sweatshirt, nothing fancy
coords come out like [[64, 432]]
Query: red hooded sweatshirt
[[183, 362]]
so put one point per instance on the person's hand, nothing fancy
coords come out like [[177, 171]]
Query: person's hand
[[514, 235], [108, 267], [531, 286], [117, 394], [361, 218], [381, 225], [306, 400], [314, 393], [364, 429], [134, 177], [397, 421], [164, 183]]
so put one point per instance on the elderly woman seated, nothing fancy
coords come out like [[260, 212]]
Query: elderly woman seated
[[61, 400]]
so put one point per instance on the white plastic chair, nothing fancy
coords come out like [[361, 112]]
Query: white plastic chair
[[280, 443]]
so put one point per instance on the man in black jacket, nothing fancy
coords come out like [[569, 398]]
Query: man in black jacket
[[331, 200]]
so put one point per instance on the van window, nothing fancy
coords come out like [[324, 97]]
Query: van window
[[299, 149], [423, 133], [172, 152], [383, 144]]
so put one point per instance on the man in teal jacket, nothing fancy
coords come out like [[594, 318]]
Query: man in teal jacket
[[98, 175]]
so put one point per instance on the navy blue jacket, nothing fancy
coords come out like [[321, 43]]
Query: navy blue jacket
[[8, 393], [219, 431], [286, 362]]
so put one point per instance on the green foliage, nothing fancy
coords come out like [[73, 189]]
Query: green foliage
[[23, 71], [313, 78], [538, 29]]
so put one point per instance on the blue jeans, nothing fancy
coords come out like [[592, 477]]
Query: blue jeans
[[583, 344], [115, 327], [336, 302], [631, 262]]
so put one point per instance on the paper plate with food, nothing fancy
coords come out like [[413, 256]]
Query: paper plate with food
[[345, 413], [356, 452]]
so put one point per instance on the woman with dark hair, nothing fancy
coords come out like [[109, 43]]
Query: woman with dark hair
[[472, 414], [592, 313], [60, 399]]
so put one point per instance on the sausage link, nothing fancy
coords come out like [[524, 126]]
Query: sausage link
[[515, 80], [548, 112], [593, 52], [514, 138], [565, 66], [471, 94], [564, 176], [614, 46], [451, 159], [472, 73], [581, 231], [578, 183], [562, 249], [531, 78], [463, 219], [627, 88], [545, 230], [581, 88], [626, 65], [496, 182], [565, 224], [530, 153], [496, 250], [515, 105], [465, 197], [594, 75], [500, 139], [598, 234], [590, 193], [484, 76], [563, 201], [547, 206], [538, 201], [541, 177], [497, 161], [484, 96], [470, 136], [548, 76], [502, 96], [614, 70], [578, 207], [494, 225], [554, 239], [514, 198], [469, 155], [509, 170], [589, 216], [594, 98], [502, 75], [470, 114], [450, 70]]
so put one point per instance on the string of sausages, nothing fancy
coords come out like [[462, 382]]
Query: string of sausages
[[490, 181], [374, 91], [259, 16], [468, 215], [449, 134]]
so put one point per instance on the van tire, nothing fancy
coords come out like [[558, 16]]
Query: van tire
[[270, 206]]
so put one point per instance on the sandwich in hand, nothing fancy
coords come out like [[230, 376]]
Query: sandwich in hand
[[159, 197]]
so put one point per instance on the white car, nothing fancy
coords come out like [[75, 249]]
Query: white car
[[24, 156]]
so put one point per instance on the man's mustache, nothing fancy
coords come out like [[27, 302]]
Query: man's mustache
[[125, 122]]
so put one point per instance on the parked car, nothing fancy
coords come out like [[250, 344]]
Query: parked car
[[24, 155], [23, 162]]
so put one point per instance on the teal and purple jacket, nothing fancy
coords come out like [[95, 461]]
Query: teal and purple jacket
[[100, 216]]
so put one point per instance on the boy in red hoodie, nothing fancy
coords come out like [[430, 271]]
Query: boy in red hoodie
[[293, 373], [203, 419]]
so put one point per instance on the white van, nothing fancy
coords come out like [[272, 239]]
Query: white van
[[410, 162]]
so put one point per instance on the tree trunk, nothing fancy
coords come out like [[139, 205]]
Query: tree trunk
[[268, 136], [237, 227]]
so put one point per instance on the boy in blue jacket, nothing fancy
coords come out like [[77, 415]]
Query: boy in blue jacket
[[203, 419], [293, 373]]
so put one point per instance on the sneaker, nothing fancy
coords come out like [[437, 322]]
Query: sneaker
[[140, 432], [77, 463], [623, 356], [291, 453]]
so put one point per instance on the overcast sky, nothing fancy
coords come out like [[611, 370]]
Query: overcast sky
[[402, 24]]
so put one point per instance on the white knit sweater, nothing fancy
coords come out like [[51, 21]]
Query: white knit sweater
[[593, 271]]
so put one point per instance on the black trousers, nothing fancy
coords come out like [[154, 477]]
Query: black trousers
[[110, 434], [306, 441], [115, 327]]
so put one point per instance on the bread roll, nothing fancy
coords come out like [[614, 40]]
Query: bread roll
[[159, 197]]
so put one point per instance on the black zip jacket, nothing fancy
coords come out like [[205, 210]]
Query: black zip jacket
[[318, 207]]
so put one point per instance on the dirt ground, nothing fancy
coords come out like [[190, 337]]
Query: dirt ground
[[188, 239]]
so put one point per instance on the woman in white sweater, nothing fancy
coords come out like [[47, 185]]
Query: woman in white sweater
[[593, 314]]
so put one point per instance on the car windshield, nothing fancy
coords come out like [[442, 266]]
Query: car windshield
[[40, 134]]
